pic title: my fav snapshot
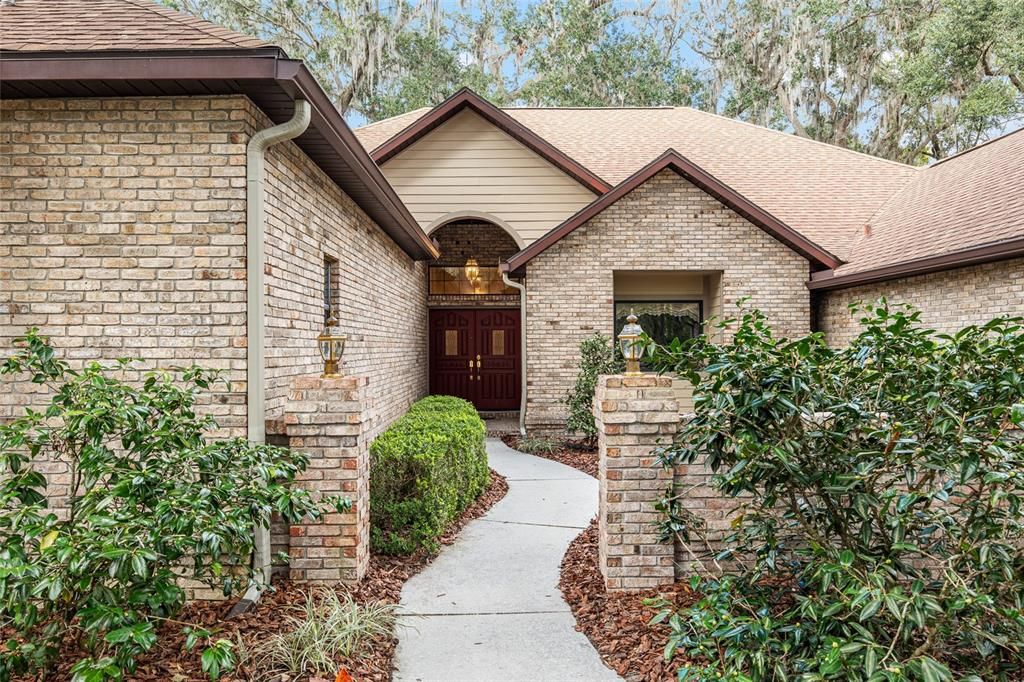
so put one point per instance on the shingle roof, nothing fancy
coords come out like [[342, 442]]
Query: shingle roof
[[823, 191], [78, 25], [971, 199]]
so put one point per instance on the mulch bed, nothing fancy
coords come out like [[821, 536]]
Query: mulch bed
[[617, 623], [570, 453], [169, 662]]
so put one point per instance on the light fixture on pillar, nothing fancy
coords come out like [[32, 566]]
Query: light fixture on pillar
[[631, 345], [332, 345]]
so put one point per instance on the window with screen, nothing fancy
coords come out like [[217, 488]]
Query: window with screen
[[662, 320], [330, 286]]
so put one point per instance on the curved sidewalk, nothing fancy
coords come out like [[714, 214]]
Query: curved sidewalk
[[489, 608]]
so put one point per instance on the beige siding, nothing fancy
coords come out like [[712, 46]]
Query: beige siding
[[467, 164]]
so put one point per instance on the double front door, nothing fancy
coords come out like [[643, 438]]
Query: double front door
[[476, 355]]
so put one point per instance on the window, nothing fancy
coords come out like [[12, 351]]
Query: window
[[330, 285], [469, 280], [662, 320]]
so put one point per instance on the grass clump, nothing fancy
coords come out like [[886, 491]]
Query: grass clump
[[328, 627]]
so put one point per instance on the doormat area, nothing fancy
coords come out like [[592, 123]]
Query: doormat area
[[500, 423]]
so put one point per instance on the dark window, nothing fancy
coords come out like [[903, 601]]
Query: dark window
[[662, 320], [330, 286], [468, 280]]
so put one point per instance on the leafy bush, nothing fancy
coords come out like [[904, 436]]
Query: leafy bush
[[880, 531], [150, 498], [597, 356], [328, 626], [424, 470]]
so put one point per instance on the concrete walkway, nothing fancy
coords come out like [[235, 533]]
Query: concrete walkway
[[489, 608]]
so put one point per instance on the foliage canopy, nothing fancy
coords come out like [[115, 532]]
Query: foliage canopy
[[150, 500], [879, 491], [906, 81]]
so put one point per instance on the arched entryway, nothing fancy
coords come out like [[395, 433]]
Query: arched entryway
[[475, 325]]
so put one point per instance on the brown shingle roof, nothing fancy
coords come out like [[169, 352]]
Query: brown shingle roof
[[967, 200], [80, 25], [823, 191]]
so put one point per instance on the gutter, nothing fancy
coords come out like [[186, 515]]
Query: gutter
[[522, 349], [255, 318], [986, 253]]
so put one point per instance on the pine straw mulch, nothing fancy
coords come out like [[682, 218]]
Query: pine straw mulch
[[617, 623], [570, 453], [169, 662]]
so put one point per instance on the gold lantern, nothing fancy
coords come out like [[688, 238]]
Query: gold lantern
[[332, 345], [631, 345]]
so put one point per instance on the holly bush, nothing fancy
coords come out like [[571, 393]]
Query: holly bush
[[879, 488], [150, 501]]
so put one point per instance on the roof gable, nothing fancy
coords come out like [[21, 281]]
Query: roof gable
[[466, 98], [468, 166], [708, 183]]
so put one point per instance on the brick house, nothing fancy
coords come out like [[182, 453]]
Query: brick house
[[679, 214], [464, 249]]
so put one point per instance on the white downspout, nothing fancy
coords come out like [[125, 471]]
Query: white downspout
[[255, 318], [522, 348]]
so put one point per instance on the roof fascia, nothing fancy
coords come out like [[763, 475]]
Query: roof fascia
[[466, 98], [827, 280]]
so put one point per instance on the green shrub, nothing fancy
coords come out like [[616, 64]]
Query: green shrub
[[597, 357], [150, 498], [425, 470], [882, 517]]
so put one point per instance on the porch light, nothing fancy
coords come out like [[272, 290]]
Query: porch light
[[332, 345], [473, 274], [631, 345]]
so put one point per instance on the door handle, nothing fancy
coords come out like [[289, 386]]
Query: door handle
[[478, 361], [471, 369]]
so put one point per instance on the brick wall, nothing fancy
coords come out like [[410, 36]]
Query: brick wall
[[634, 417], [329, 420], [381, 301], [665, 224], [948, 300], [122, 233], [486, 242]]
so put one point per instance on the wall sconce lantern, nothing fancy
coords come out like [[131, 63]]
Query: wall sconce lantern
[[332, 345], [631, 345]]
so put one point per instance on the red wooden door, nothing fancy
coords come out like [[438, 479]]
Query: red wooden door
[[452, 354], [476, 355], [498, 357]]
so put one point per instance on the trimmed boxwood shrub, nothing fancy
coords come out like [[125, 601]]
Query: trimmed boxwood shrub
[[424, 471]]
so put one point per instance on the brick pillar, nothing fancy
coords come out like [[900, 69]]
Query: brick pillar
[[633, 416], [328, 419]]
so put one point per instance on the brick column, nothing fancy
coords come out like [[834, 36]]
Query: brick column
[[328, 419], [633, 415]]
